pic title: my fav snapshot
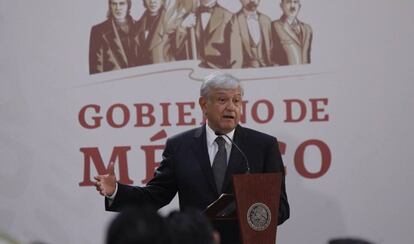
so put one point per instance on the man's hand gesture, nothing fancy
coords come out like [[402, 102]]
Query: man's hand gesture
[[106, 184]]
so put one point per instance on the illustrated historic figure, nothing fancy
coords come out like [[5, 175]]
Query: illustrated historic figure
[[291, 37], [211, 23], [251, 42], [152, 35], [111, 45]]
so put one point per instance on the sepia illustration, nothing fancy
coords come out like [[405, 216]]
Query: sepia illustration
[[152, 35], [111, 45], [204, 34], [291, 37], [251, 43], [201, 30]]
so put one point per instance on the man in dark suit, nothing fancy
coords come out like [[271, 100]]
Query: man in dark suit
[[193, 160], [111, 45]]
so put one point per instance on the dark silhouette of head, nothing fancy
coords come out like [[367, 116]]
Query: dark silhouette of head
[[349, 241], [141, 225], [191, 227]]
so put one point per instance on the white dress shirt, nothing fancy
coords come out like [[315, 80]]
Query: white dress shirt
[[253, 25], [205, 18]]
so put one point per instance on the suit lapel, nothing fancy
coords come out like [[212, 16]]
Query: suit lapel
[[237, 164], [158, 32], [290, 32], [140, 37], [216, 19], [201, 152], [114, 42], [198, 28]]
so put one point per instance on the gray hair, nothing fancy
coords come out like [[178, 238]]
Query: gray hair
[[219, 80]]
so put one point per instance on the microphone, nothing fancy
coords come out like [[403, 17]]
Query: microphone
[[238, 148]]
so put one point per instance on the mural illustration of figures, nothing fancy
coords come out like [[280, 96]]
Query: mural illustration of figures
[[211, 23], [251, 42], [200, 30], [292, 38], [111, 45]]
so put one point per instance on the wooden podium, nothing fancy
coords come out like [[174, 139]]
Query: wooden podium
[[255, 205]]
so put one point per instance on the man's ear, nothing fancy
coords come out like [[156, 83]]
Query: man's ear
[[202, 101]]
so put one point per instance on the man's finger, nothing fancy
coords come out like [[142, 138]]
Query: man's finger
[[111, 168]]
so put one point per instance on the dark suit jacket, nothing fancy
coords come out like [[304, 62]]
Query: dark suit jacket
[[186, 169]]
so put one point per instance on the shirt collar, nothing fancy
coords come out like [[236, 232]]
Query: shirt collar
[[211, 136], [251, 15]]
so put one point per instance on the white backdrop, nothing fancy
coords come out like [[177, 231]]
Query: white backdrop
[[362, 68]]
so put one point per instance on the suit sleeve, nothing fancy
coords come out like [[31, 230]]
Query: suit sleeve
[[158, 192], [274, 163]]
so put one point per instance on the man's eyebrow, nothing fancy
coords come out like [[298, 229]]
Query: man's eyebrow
[[224, 93]]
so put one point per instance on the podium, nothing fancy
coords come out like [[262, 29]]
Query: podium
[[254, 205]]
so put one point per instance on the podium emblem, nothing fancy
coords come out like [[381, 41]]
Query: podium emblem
[[259, 216]]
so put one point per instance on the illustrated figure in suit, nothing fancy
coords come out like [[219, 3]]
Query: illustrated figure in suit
[[211, 23], [111, 45], [152, 38], [292, 38], [251, 42], [192, 164]]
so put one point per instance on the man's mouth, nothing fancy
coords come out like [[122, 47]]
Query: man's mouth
[[228, 117]]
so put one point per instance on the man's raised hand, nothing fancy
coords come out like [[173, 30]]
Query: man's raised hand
[[106, 184]]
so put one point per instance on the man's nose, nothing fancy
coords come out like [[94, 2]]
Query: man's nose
[[230, 105]]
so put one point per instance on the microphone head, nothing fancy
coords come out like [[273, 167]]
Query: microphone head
[[218, 133]]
